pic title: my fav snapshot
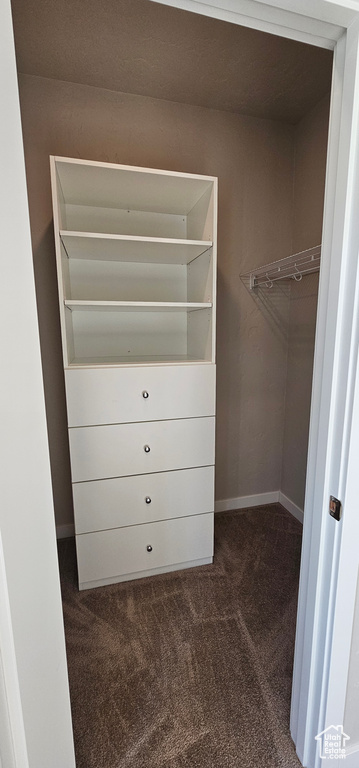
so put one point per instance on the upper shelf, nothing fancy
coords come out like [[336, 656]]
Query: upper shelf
[[135, 306], [90, 183], [108, 247], [294, 266]]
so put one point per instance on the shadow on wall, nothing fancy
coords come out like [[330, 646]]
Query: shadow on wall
[[273, 303], [52, 367]]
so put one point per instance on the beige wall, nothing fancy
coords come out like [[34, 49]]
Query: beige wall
[[253, 159], [309, 180]]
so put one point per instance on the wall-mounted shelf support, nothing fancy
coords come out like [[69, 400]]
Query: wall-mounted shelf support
[[291, 267]]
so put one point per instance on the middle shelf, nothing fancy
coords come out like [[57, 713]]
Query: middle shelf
[[135, 306], [114, 247]]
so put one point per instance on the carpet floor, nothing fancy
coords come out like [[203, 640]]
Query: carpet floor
[[190, 669]]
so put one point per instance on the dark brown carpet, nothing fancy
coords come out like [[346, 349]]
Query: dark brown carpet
[[189, 669]]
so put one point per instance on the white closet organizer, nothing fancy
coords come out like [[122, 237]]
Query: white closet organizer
[[136, 261]]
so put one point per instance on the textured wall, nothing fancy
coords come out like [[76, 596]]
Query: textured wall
[[309, 181], [253, 159]]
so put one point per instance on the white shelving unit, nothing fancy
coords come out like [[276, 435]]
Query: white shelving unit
[[134, 240], [136, 262]]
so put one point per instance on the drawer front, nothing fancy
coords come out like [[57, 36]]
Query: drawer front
[[116, 395], [121, 501], [107, 554], [117, 450]]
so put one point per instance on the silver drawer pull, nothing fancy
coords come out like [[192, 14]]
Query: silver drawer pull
[[145, 394], [146, 448], [149, 548], [148, 499]]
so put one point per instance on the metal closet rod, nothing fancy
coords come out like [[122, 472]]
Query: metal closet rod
[[291, 267]]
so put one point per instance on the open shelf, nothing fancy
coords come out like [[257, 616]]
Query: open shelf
[[135, 306], [109, 247], [149, 332], [101, 197]]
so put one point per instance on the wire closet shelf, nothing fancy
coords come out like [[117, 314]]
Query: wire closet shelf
[[292, 267]]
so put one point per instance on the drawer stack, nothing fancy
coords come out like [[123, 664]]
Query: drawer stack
[[136, 263], [142, 459]]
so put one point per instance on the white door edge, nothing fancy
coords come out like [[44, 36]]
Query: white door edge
[[14, 746]]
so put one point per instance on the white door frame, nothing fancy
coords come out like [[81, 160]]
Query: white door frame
[[35, 693], [334, 25]]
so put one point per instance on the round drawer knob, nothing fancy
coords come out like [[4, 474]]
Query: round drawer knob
[[145, 394], [148, 499], [149, 548], [146, 448]]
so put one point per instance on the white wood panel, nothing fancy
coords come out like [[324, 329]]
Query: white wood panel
[[111, 553], [110, 247], [62, 284], [118, 502], [118, 450], [200, 284], [115, 395], [201, 335], [201, 219]]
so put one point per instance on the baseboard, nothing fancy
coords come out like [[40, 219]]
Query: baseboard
[[289, 505], [65, 531], [242, 502], [258, 500]]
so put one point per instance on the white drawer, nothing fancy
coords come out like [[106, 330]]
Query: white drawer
[[121, 501], [107, 555], [115, 395], [117, 450]]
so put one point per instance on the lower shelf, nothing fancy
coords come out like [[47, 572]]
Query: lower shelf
[[127, 360], [122, 554]]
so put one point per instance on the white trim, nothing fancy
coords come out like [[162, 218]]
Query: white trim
[[260, 500], [266, 18], [242, 502], [65, 531], [332, 385], [291, 507]]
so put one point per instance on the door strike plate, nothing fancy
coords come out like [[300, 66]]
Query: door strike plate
[[335, 508]]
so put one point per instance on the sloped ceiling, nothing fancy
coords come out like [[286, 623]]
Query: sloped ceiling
[[136, 46]]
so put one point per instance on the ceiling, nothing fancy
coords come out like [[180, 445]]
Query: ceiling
[[139, 47]]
